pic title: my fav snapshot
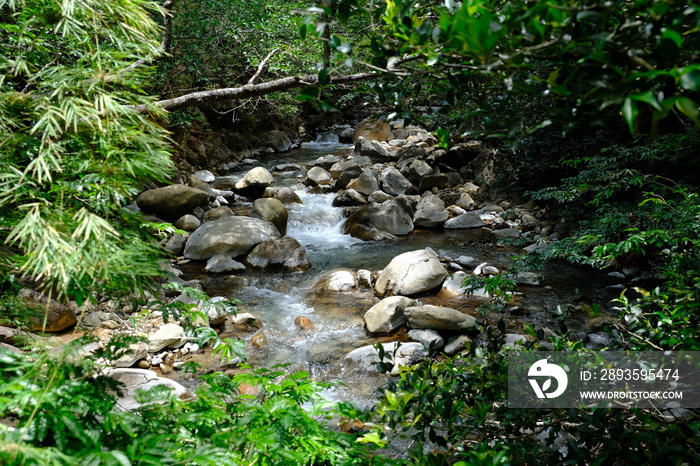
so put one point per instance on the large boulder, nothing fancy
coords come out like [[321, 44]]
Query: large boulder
[[379, 221], [438, 318], [394, 183], [57, 316], [223, 264], [351, 163], [254, 182], [283, 194], [411, 273], [318, 176], [277, 140], [134, 380], [273, 211], [366, 183], [278, 255], [387, 315], [349, 197], [230, 236], [371, 129], [430, 212], [372, 149], [170, 335], [171, 202], [466, 220]]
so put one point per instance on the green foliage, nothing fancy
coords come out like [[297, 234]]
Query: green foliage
[[572, 60], [73, 151], [499, 289], [455, 409], [65, 414]]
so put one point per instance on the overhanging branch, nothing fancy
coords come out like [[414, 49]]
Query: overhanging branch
[[249, 90]]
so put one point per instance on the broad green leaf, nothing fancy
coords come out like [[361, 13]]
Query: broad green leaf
[[630, 112]]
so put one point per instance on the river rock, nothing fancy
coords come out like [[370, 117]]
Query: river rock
[[379, 197], [397, 354], [411, 273], [254, 182], [387, 315], [134, 352], [435, 181], [278, 255], [205, 175], [466, 220], [366, 183], [376, 222], [304, 323], [364, 278], [223, 264], [277, 140], [372, 149], [318, 176], [341, 280], [507, 233], [466, 202], [188, 222], [134, 380], [171, 202], [230, 236], [283, 194], [349, 197], [371, 129], [452, 286], [346, 177], [60, 316], [175, 244], [259, 339], [430, 212], [394, 183], [170, 335], [528, 221], [217, 213], [457, 344], [418, 169], [427, 337], [273, 211], [351, 163], [246, 321], [438, 318]]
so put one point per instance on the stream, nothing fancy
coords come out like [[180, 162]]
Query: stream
[[278, 299]]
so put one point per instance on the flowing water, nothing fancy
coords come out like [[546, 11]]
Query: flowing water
[[278, 299]]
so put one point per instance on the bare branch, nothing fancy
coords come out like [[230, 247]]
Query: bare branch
[[262, 65], [249, 90]]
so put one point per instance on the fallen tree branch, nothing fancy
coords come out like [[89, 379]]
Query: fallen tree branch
[[249, 90]]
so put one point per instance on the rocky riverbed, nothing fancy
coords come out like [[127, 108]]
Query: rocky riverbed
[[341, 248]]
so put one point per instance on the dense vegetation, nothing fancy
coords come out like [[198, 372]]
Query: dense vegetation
[[594, 107]]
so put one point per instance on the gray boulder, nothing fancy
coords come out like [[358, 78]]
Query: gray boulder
[[273, 211], [141, 379], [188, 222], [411, 273], [430, 212], [217, 213], [427, 337], [318, 176], [170, 335], [387, 315], [366, 183], [466, 220], [277, 140], [283, 194], [397, 354], [394, 183], [349, 197], [223, 264], [254, 182], [465, 201], [438, 318], [379, 221], [230, 236], [59, 316], [372, 149], [171, 202], [278, 255]]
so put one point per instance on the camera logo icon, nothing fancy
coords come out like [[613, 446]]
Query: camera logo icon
[[542, 368]]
